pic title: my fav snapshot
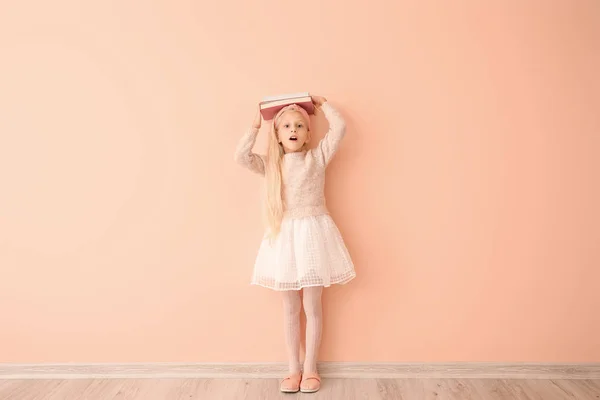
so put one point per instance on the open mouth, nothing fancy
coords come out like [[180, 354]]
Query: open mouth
[[293, 138]]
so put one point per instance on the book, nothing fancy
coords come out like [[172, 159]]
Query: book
[[285, 96], [270, 105]]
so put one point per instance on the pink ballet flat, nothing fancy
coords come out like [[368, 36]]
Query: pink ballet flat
[[310, 383], [291, 383]]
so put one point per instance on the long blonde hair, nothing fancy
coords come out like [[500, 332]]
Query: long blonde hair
[[274, 182], [274, 172]]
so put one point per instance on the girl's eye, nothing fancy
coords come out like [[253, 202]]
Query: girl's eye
[[299, 125], [287, 125]]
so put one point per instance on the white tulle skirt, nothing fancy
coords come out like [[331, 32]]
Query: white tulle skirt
[[308, 251]]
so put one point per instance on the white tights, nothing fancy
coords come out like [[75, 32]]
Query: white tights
[[314, 324]]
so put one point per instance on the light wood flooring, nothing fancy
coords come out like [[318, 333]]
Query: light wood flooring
[[346, 389]]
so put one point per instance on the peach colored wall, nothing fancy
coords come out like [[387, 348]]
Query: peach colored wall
[[467, 187]]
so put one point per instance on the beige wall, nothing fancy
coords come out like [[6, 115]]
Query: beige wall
[[466, 189]]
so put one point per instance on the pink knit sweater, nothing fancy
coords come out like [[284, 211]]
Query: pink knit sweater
[[303, 172]]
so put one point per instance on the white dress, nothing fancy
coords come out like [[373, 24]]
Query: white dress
[[309, 249]]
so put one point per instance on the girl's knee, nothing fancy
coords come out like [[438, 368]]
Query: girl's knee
[[291, 303], [312, 302]]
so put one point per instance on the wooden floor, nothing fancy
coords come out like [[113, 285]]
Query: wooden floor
[[260, 389]]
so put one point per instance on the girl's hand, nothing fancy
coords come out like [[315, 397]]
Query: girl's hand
[[257, 119], [318, 100]]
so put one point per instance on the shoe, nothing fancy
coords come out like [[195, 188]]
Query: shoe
[[310, 383], [291, 383]]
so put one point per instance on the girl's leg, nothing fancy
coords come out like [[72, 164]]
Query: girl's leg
[[291, 320], [314, 325]]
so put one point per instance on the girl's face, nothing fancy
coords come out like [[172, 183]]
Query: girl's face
[[292, 131]]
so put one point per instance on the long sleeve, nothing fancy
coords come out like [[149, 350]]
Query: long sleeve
[[244, 155], [327, 147]]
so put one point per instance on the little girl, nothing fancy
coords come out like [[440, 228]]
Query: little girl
[[302, 248]]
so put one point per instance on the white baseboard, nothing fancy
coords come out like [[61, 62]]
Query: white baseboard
[[326, 369]]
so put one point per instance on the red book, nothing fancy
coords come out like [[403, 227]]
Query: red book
[[271, 105]]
